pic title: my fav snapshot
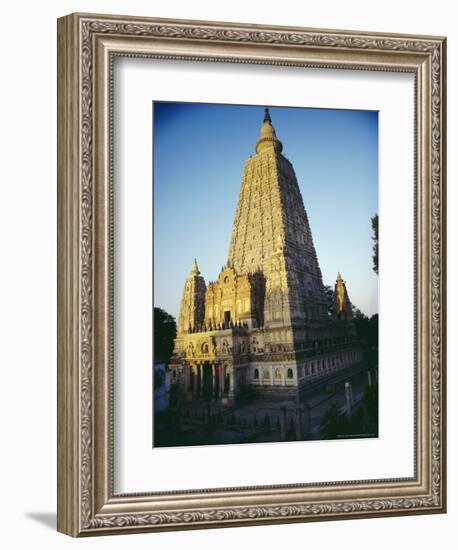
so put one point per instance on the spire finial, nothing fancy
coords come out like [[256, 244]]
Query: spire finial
[[267, 115], [268, 138], [195, 268]]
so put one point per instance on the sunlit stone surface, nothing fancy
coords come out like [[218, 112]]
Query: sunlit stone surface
[[263, 326]]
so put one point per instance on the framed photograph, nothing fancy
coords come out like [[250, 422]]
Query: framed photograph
[[251, 283]]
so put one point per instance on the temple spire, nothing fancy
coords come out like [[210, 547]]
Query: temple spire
[[267, 115], [195, 268], [342, 305], [192, 308], [267, 136]]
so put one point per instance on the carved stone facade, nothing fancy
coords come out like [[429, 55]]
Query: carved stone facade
[[264, 323]]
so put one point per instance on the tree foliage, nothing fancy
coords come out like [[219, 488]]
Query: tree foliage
[[374, 222], [329, 291], [369, 410], [362, 423], [357, 313], [367, 330], [165, 330], [332, 423]]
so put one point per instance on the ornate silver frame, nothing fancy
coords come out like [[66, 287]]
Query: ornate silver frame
[[87, 44]]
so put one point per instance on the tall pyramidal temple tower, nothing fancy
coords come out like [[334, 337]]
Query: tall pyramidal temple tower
[[263, 325], [271, 233]]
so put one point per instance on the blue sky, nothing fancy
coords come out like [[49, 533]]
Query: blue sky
[[199, 151]]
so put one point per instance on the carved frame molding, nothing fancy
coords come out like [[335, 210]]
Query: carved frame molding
[[87, 45]]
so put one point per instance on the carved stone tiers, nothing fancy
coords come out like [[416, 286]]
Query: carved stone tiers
[[263, 324]]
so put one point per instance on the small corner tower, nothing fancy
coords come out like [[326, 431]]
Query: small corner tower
[[341, 309], [192, 309]]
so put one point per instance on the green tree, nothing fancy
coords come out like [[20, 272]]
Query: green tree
[[332, 423], [374, 222], [357, 313], [329, 297], [165, 330], [369, 410], [366, 329]]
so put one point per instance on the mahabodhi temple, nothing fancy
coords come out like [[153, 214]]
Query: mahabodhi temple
[[264, 324]]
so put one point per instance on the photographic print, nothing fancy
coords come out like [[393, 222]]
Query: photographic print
[[265, 274]]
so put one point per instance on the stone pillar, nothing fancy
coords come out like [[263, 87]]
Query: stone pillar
[[221, 381], [283, 379], [194, 380], [231, 384], [349, 397], [213, 379], [200, 371], [271, 375], [283, 424], [298, 423], [369, 378], [182, 378], [308, 419]]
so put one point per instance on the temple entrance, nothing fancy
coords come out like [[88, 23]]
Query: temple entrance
[[227, 317], [209, 381]]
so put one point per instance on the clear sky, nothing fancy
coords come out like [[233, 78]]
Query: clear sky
[[199, 154]]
